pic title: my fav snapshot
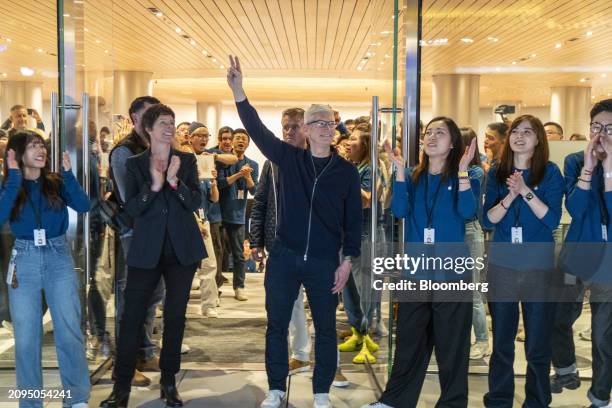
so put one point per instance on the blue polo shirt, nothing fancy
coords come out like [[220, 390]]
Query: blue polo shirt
[[233, 198]]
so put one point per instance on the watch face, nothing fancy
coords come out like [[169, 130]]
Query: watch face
[[529, 196]]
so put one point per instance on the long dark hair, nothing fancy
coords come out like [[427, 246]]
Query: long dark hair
[[539, 160], [454, 156], [365, 140], [51, 182]]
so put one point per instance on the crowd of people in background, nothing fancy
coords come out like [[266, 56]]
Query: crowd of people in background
[[161, 175]]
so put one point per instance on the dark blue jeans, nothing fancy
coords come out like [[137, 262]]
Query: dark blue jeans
[[235, 240], [285, 272], [538, 318]]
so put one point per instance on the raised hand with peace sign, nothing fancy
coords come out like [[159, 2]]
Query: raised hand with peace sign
[[234, 79]]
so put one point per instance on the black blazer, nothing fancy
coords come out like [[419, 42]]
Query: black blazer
[[154, 211]]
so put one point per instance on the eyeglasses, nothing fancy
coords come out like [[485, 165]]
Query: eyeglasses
[[201, 135], [597, 128], [321, 124]]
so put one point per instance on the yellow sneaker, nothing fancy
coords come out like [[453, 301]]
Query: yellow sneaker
[[352, 343], [372, 346], [364, 355]]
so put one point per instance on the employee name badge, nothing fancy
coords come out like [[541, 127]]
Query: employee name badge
[[517, 235], [604, 232], [429, 235], [40, 237], [241, 194]]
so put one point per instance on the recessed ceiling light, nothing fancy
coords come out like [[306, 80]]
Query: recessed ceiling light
[[86, 29], [4, 75], [582, 79], [514, 62], [467, 40], [26, 71], [192, 42], [385, 32], [609, 94], [359, 68], [493, 39], [593, 97], [387, 56], [382, 62], [98, 41], [159, 14], [66, 15], [604, 75], [40, 50], [8, 40], [222, 67], [558, 45], [106, 51], [589, 33], [369, 54], [534, 55], [204, 52], [214, 60], [178, 30]]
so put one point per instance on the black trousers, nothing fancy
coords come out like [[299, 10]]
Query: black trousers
[[140, 285], [217, 239], [422, 327]]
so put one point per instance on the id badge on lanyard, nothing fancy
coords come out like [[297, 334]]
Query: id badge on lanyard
[[604, 232], [40, 237], [10, 276], [517, 235], [429, 235]]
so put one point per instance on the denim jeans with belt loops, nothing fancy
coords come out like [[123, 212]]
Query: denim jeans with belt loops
[[50, 269]]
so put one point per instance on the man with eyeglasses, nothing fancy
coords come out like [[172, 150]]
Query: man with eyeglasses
[[588, 177], [319, 212], [553, 130]]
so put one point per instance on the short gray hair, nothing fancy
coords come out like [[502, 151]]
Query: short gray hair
[[316, 109]]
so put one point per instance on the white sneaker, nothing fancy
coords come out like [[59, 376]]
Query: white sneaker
[[380, 328], [479, 350], [321, 401], [376, 404], [8, 326], [239, 295], [274, 398], [210, 312]]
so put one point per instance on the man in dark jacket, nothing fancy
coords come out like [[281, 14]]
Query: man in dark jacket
[[263, 234], [320, 212]]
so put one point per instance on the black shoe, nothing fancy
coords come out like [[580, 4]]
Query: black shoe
[[170, 393], [559, 382], [117, 399]]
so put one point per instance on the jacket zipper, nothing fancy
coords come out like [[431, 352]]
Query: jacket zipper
[[314, 187]]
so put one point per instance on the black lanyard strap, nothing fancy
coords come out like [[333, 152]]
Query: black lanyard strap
[[429, 210]]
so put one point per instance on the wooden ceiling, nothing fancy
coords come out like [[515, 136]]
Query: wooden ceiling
[[319, 49]]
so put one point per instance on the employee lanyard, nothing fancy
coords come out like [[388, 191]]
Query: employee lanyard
[[517, 212], [605, 217], [428, 210], [37, 210]]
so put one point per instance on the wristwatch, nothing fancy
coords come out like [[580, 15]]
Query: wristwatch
[[529, 196], [463, 174]]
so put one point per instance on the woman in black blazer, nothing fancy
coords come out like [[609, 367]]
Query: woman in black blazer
[[162, 194]]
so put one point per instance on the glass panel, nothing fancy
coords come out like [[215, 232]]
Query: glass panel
[[28, 77], [95, 72]]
